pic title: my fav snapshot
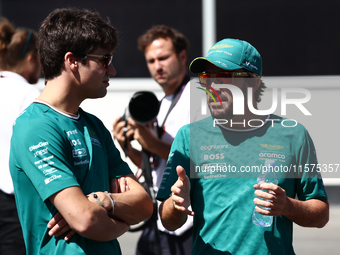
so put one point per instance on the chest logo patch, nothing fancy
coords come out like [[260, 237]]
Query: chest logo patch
[[272, 147], [79, 153]]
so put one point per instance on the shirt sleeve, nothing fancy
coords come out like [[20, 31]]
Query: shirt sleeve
[[179, 155], [309, 185], [117, 167], [42, 156]]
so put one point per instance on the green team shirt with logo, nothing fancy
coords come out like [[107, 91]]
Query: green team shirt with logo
[[220, 164], [51, 151]]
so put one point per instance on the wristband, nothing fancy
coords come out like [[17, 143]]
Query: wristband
[[99, 202], [113, 202]]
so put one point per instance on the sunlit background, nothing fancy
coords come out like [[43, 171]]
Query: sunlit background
[[299, 43]]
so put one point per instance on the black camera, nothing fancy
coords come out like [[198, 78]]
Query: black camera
[[143, 107]]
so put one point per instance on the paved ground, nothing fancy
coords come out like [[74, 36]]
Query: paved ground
[[319, 241], [307, 241]]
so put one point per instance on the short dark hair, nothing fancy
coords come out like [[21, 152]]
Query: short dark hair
[[15, 44], [72, 30], [179, 41]]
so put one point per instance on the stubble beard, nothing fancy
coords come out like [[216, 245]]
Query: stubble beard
[[224, 112]]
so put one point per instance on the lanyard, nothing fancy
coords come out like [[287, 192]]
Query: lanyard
[[174, 101]]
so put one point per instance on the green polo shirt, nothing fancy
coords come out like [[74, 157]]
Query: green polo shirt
[[222, 199], [51, 151]]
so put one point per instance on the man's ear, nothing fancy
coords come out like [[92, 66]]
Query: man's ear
[[70, 61]]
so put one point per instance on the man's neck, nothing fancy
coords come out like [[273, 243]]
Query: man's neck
[[171, 89], [246, 121], [57, 94], [243, 122]]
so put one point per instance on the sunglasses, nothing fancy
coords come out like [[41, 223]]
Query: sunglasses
[[105, 59], [220, 78]]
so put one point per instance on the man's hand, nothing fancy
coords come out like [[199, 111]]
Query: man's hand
[[181, 192], [174, 210], [308, 213], [59, 226], [148, 139], [123, 131], [144, 134], [118, 185], [276, 198]]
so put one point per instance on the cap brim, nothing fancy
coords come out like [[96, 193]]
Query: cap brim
[[198, 64]]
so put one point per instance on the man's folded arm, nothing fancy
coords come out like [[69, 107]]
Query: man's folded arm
[[86, 218]]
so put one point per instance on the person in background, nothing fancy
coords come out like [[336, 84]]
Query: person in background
[[223, 201], [19, 69], [165, 50], [74, 193]]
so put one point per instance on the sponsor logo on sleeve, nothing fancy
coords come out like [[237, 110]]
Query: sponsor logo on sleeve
[[49, 171], [41, 152], [52, 178], [39, 145], [43, 160], [46, 164]]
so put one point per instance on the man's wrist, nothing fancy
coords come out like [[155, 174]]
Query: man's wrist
[[99, 202], [287, 207], [113, 203]]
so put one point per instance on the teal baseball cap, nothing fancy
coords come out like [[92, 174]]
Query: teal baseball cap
[[230, 54]]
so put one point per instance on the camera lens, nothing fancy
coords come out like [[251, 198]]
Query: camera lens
[[144, 107]]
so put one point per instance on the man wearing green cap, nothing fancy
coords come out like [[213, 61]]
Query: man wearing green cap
[[223, 204]]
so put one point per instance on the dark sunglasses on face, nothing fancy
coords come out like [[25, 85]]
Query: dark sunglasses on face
[[105, 59], [220, 78]]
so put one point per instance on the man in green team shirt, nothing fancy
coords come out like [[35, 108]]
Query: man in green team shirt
[[223, 203], [74, 193]]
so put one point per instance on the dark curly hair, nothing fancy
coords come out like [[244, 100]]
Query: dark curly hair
[[179, 41], [72, 30]]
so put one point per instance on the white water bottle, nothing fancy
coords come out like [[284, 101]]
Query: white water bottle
[[268, 175]]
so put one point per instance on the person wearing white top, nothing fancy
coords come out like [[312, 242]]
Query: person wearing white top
[[165, 51], [19, 68]]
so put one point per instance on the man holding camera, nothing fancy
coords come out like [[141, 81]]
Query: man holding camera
[[165, 51]]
